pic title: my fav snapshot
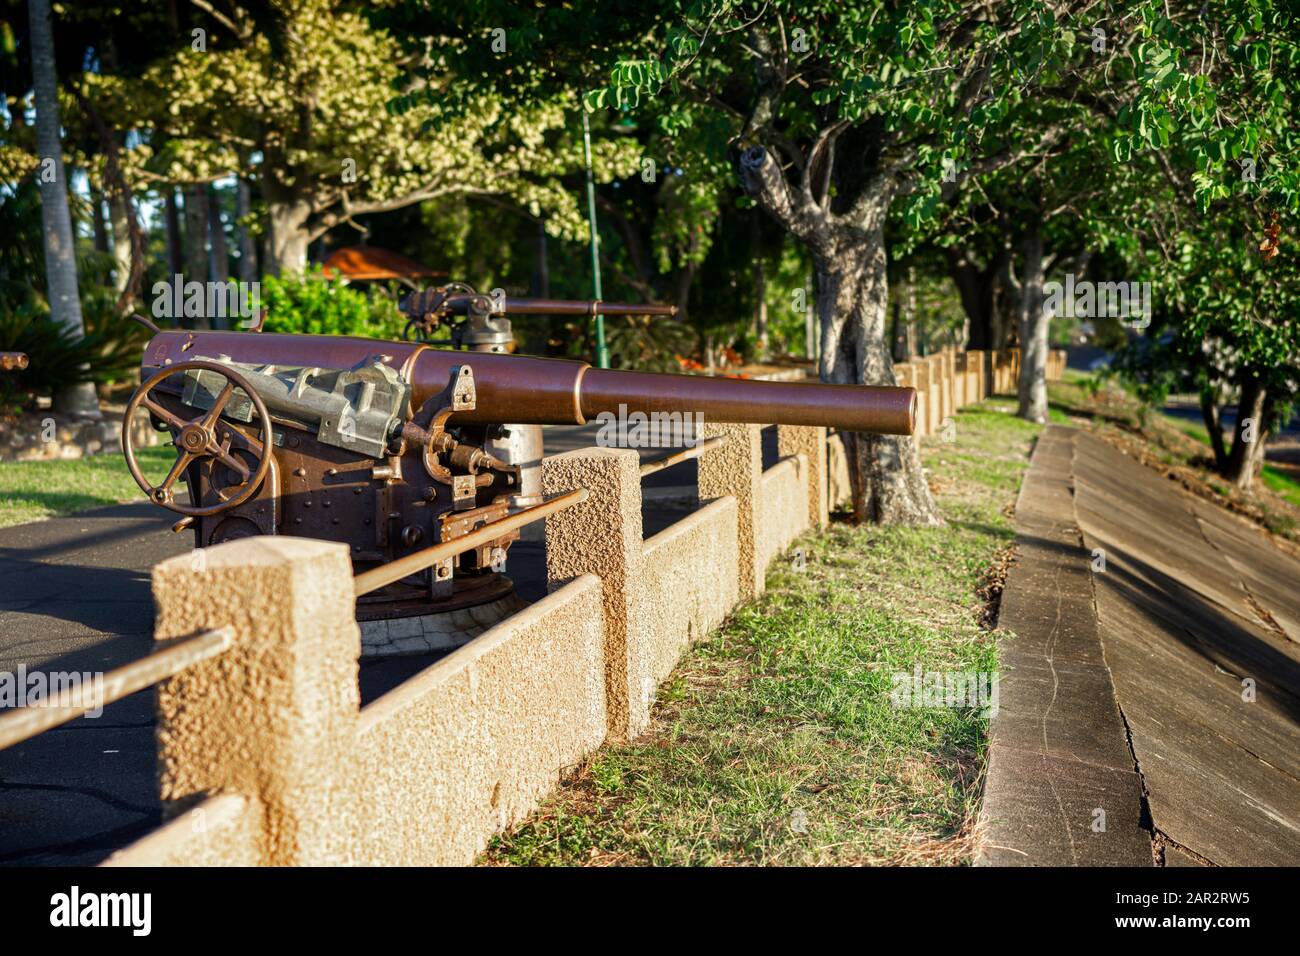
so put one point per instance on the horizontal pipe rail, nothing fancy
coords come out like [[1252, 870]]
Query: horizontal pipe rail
[[26, 722], [394, 571], [677, 457]]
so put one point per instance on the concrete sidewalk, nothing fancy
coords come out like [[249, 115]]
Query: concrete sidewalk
[[1150, 701]]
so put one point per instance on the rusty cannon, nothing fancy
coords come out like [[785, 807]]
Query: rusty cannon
[[398, 448]]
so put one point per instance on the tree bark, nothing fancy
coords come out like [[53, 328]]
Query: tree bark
[[1214, 426], [60, 251], [286, 248], [1249, 433], [244, 238], [810, 325], [219, 257], [220, 264], [97, 220], [889, 485], [541, 279], [121, 245], [1034, 326], [885, 473]]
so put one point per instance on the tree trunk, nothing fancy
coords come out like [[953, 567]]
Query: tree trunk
[[1034, 326], [60, 251], [541, 278], [286, 248], [1214, 426], [810, 324], [219, 259], [121, 244], [1248, 435], [244, 238], [220, 263], [760, 291], [172, 218], [97, 220], [196, 233], [897, 336], [885, 473]]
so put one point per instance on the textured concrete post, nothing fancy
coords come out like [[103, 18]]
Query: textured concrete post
[[737, 469], [920, 380], [603, 536], [809, 441], [273, 718]]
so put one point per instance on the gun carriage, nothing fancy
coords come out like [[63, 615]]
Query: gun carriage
[[391, 447]]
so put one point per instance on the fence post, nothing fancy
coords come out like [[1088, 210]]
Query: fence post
[[975, 364], [809, 441], [935, 363], [919, 376], [736, 469], [961, 378], [954, 382], [603, 536], [274, 718]]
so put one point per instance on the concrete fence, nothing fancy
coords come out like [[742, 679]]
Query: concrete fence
[[266, 756]]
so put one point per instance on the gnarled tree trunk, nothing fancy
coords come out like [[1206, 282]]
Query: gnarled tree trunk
[[889, 485], [247, 248], [1249, 433], [1035, 322], [1214, 427]]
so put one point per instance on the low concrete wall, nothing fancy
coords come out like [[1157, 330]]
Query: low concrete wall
[[784, 514], [691, 583], [839, 491], [223, 830], [470, 745]]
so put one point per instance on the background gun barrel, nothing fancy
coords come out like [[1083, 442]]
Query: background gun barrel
[[540, 391], [566, 307]]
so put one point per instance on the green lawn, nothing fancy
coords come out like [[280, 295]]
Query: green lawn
[[1283, 483], [32, 490], [775, 741]]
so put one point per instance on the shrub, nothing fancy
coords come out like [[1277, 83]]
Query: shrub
[[109, 352], [317, 305]]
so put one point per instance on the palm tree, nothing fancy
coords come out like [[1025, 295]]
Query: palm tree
[[60, 253]]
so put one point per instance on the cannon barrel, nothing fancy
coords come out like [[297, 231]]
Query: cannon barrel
[[539, 391], [512, 306]]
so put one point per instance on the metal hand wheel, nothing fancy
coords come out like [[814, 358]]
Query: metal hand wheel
[[201, 438]]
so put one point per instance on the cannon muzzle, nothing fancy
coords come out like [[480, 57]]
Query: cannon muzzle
[[539, 391]]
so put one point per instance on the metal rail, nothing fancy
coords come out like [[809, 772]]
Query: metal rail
[[394, 571], [26, 722], [677, 457]]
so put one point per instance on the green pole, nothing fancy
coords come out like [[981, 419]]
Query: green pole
[[602, 350]]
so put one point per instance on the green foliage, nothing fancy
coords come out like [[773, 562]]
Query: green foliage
[[109, 352], [314, 304]]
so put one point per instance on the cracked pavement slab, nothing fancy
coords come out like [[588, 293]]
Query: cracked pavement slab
[[1198, 613], [1195, 617]]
